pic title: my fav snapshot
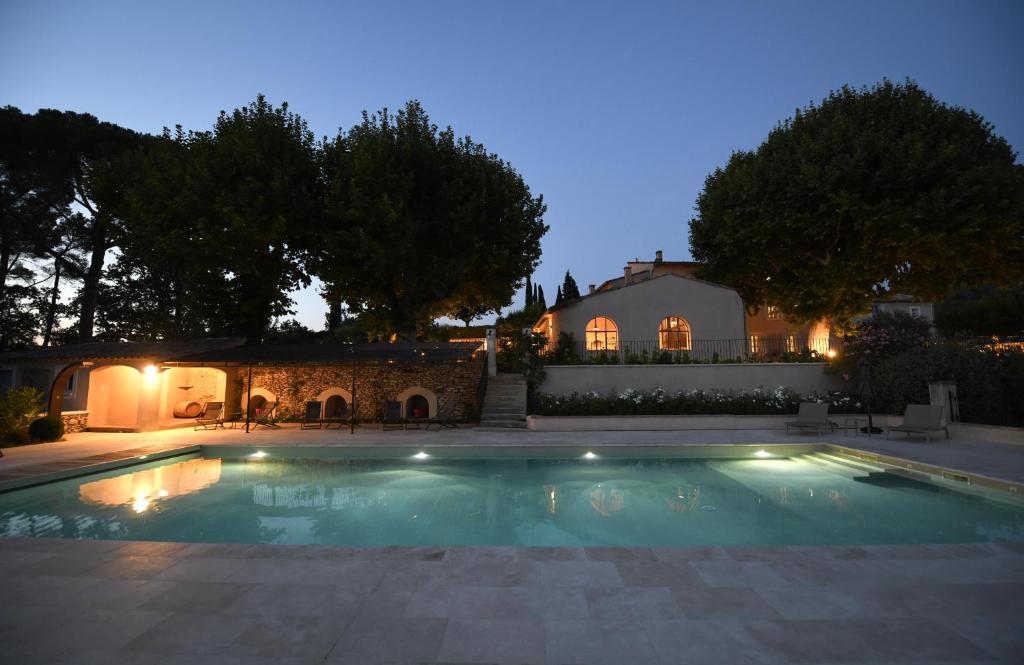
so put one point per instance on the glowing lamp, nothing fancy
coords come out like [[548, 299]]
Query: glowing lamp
[[831, 353], [150, 370]]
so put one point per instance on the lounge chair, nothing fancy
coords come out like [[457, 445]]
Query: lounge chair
[[211, 417], [812, 415], [391, 415], [265, 416], [339, 419], [313, 418], [921, 419], [445, 417]]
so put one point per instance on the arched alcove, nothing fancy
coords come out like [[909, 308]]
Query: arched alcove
[[259, 397], [186, 387], [336, 402], [406, 397], [114, 396]]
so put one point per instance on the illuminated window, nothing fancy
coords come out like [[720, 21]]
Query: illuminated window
[[755, 344], [674, 334], [602, 334], [791, 344], [773, 313]]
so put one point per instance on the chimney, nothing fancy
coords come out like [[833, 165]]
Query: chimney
[[657, 256], [626, 273], [593, 287]]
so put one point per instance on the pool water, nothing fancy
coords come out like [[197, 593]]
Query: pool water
[[523, 502]]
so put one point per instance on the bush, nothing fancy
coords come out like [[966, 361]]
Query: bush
[[757, 402], [18, 408], [42, 430], [990, 384]]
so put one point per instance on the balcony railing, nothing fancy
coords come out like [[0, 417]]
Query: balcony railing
[[699, 351]]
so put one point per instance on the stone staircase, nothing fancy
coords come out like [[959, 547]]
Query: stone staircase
[[504, 402]]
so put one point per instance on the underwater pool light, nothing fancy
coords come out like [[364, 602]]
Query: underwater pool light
[[589, 455], [259, 454], [421, 455], [763, 453]]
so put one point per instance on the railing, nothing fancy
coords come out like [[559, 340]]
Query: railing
[[699, 351]]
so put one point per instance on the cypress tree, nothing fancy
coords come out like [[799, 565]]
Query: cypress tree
[[529, 291], [558, 296], [539, 301]]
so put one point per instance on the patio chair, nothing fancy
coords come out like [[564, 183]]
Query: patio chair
[[211, 417], [812, 415], [391, 415], [921, 419], [445, 417], [265, 416], [313, 418], [339, 419]]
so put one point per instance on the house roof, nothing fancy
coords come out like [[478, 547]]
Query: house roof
[[233, 351], [635, 278], [160, 351]]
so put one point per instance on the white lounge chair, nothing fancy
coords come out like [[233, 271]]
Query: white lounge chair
[[812, 415], [921, 419]]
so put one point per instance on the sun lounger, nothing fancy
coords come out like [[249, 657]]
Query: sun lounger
[[211, 417], [265, 416], [391, 415], [921, 419], [313, 418], [339, 419], [445, 417], [812, 415]]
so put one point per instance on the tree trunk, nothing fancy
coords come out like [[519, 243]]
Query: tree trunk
[[51, 313], [91, 283]]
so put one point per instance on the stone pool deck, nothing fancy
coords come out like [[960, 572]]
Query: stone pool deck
[[92, 602], [85, 602]]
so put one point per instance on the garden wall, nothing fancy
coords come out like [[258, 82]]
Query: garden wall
[[293, 386], [803, 378]]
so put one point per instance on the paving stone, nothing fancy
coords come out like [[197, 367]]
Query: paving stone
[[65, 564], [97, 629], [199, 569], [132, 567], [723, 603], [551, 553], [370, 640], [917, 639], [496, 641], [455, 602], [657, 573], [278, 636], [629, 603], [201, 597], [579, 574], [708, 642], [619, 553], [189, 633], [811, 641], [542, 602], [597, 642]]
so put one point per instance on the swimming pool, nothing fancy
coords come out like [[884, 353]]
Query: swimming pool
[[424, 500]]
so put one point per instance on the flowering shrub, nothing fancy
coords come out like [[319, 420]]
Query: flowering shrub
[[759, 401]]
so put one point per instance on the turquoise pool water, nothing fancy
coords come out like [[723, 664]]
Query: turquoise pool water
[[524, 502]]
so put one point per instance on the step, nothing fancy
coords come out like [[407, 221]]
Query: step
[[510, 424]]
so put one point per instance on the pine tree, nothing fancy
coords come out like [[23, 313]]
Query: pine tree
[[539, 300], [529, 292], [569, 289]]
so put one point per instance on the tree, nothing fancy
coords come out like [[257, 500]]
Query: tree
[[569, 289], [874, 191], [542, 304], [531, 294], [983, 310], [420, 223], [558, 296]]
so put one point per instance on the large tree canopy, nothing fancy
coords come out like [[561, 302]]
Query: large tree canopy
[[873, 191], [422, 223]]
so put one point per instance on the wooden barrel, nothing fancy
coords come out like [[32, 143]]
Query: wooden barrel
[[186, 408]]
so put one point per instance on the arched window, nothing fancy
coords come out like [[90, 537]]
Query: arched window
[[674, 334], [602, 334]]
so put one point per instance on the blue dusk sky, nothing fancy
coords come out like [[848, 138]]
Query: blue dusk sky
[[614, 111]]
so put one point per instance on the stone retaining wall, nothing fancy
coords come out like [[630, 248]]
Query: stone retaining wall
[[293, 386], [75, 421]]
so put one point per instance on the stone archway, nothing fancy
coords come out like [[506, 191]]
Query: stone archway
[[259, 397], [114, 392], [409, 393], [336, 401]]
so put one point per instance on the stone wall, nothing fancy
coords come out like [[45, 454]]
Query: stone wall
[[804, 378], [293, 386], [75, 421]]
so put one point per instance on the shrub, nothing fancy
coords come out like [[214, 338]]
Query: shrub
[[42, 430], [759, 401], [17, 410]]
